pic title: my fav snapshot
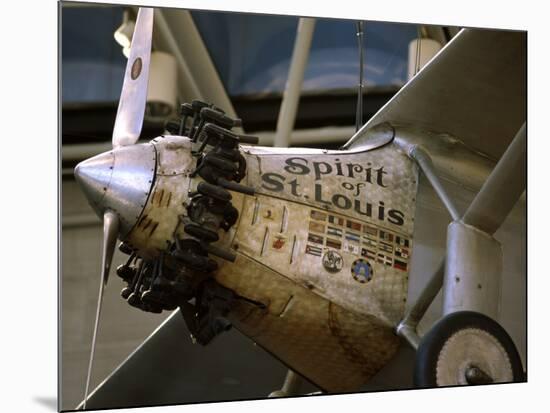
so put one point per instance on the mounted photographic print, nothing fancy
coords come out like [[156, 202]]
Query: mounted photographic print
[[259, 206]]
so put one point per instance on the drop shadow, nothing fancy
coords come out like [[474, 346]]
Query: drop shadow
[[46, 401]]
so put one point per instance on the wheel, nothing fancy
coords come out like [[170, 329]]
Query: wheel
[[466, 348]]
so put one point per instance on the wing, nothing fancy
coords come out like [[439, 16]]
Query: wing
[[169, 350], [474, 89]]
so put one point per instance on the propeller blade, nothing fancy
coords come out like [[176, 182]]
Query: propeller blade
[[110, 232], [131, 107]]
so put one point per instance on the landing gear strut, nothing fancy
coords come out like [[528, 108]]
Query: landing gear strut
[[467, 347]]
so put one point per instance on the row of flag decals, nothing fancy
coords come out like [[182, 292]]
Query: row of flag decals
[[365, 240], [334, 231], [312, 250], [353, 237], [316, 239]]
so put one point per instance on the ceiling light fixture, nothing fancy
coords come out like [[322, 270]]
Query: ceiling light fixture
[[123, 35]]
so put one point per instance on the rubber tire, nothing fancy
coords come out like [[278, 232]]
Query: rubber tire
[[432, 343]]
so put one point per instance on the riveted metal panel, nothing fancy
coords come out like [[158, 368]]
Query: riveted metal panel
[[337, 349], [377, 186], [168, 196], [130, 185], [331, 324], [174, 155], [473, 271], [294, 226], [119, 180]]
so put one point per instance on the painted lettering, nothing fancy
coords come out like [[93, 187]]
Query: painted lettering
[[295, 167], [273, 182]]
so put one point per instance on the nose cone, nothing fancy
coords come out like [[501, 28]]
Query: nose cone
[[94, 176], [119, 180]]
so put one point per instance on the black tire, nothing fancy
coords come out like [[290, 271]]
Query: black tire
[[435, 367]]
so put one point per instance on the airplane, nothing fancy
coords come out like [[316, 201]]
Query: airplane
[[311, 252]]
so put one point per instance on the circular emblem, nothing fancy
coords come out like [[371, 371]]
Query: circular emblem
[[332, 261], [136, 68], [361, 270]]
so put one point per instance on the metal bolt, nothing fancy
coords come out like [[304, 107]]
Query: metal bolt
[[474, 375]]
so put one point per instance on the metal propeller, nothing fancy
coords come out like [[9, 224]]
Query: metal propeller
[[96, 175], [110, 232], [131, 107]]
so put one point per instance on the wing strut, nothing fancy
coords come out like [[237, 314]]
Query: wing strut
[[502, 189], [487, 212]]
